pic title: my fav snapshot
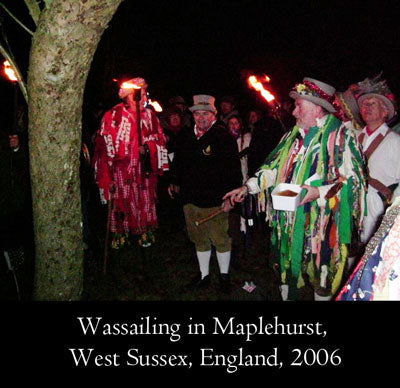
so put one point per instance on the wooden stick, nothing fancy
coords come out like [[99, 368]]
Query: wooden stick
[[107, 235], [212, 215]]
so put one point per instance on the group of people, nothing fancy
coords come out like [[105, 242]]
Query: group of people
[[341, 152]]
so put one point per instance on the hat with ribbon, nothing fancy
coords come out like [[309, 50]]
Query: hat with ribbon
[[378, 88], [203, 102], [129, 87], [315, 91], [347, 106]]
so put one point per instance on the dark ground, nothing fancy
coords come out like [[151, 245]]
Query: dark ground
[[170, 266]]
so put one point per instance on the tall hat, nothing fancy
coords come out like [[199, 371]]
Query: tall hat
[[315, 91], [347, 106], [129, 87], [379, 89], [203, 102]]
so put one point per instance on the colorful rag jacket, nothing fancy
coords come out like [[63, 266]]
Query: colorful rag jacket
[[118, 171], [314, 239], [377, 275]]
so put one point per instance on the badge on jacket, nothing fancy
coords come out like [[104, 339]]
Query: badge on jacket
[[207, 150]]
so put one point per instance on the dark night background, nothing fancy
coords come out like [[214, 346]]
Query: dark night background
[[190, 47]]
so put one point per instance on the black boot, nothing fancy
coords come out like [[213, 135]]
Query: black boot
[[224, 283], [198, 283]]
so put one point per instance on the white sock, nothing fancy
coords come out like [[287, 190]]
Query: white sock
[[224, 259], [204, 262]]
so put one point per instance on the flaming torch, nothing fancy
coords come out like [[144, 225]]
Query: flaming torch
[[258, 85], [157, 107], [10, 74]]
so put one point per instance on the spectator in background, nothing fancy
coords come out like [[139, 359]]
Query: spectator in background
[[237, 223], [171, 209], [178, 102], [227, 109], [15, 209], [266, 133]]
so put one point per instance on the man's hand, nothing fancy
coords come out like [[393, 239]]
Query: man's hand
[[173, 189], [312, 194], [227, 206], [14, 141], [236, 195]]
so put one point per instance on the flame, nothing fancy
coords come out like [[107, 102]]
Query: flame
[[156, 106], [257, 85], [267, 79], [9, 71], [129, 85]]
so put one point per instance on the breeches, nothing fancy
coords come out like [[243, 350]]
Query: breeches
[[212, 232]]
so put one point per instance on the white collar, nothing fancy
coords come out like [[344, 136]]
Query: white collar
[[195, 127], [382, 129]]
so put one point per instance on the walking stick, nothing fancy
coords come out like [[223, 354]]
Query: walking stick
[[10, 267], [211, 216], [109, 208], [144, 159]]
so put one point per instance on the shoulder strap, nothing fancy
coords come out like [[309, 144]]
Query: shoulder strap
[[374, 145]]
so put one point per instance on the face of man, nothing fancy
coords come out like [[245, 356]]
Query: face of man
[[253, 117], [203, 119], [174, 120], [373, 111], [226, 107], [234, 127], [306, 113]]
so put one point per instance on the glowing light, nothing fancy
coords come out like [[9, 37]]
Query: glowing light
[[257, 85], [129, 85], [157, 107], [9, 71]]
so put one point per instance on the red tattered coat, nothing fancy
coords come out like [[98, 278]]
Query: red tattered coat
[[117, 164]]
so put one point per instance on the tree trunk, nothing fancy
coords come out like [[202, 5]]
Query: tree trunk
[[62, 50]]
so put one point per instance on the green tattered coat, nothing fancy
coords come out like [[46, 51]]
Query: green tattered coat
[[313, 240]]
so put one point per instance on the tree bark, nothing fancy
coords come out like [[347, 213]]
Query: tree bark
[[62, 51]]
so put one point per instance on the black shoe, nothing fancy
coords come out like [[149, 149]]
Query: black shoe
[[224, 283], [197, 283]]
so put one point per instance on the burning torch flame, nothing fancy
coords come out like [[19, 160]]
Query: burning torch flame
[[9, 71], [129, 85], [257, 85], [157, 107]]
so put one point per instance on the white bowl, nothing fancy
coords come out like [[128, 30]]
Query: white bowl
[[281, 202]]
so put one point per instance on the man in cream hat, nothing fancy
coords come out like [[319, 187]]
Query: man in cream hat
[[206, 165], [381, 147], [123, 176], [319, 154]]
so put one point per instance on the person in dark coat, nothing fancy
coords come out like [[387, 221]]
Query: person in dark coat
[[206, 163], [15, 215], [266, 133]]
